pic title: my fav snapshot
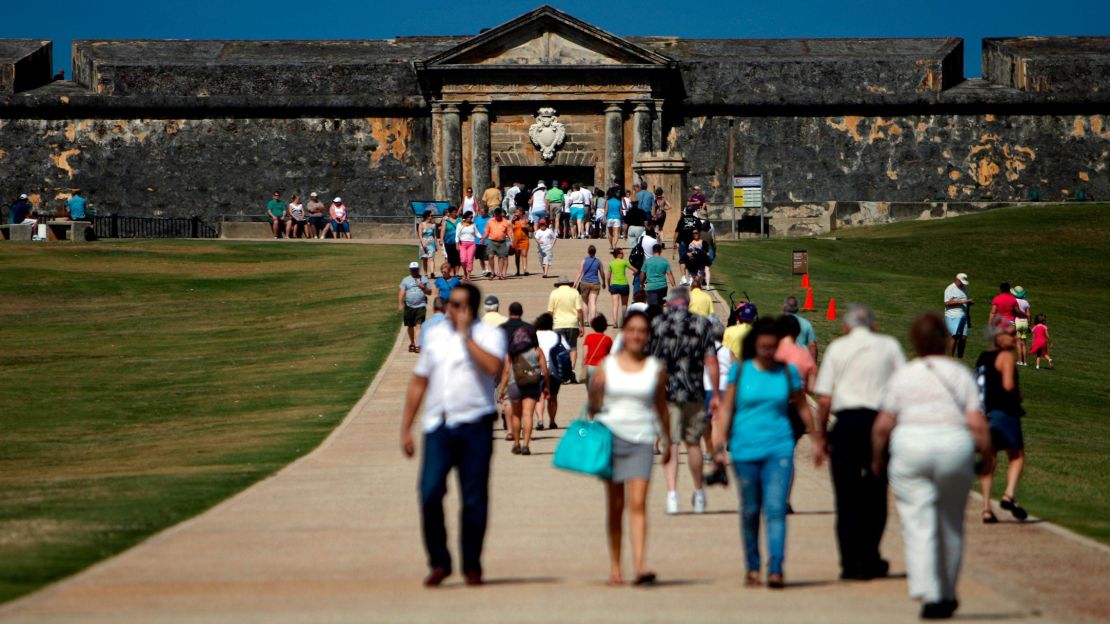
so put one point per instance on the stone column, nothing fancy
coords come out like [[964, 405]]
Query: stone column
[[480, 157], [657, 129], [452, 153], [641, 130], [614, 145], [666, 170], [437, 150]]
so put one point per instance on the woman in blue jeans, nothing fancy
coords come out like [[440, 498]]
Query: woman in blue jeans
[[761, 443]]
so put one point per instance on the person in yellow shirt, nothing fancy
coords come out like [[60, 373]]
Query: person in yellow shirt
[[491, 197], [565, 305], [734, 335], [700, 301]]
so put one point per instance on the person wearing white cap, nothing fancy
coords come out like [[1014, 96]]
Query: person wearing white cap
[[22, 212], [538, 203], [956, 313], [412, 303], [316, 220], [339, 223]]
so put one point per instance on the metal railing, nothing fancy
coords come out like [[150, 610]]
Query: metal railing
[[118, 226]]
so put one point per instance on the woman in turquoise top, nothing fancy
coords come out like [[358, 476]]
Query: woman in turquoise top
[[613, 216], [761, 443]]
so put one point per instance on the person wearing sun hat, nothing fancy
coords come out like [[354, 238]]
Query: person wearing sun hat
[[956, 313], [1021, 321]]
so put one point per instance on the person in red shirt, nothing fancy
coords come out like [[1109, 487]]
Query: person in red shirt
[[1003, 305], [597, 346]]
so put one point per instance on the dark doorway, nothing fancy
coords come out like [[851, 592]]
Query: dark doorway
[[530, 175]]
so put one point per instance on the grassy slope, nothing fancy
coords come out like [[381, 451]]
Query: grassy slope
[[1058, 253], [144, 382]]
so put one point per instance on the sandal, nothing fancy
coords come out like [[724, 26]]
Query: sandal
[[775, 581], [553, 426], [989, 518], [751, 579], [508, 437], [647, 578], [417, 349], [412, 348], [524, 450], [1014, 508], [539, 427], [516, 449]]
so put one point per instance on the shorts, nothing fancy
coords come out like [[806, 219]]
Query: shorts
[[577, 213], [613, 223], [546, 255], [317, 222], [1005, 431], [585, 288], [570, 334], [555, 209], [452, 251], [553, 391], [619, 289], [1022, 327], [517, 394], [415, 316], [498, 248], [338, 227], [480, 252], [631, 460], [657, 296], [634, 233], [682, 247], [688, 422], [536, 215], [957, 326]]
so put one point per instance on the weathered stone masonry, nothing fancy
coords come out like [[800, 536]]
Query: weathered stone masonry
[[202, 127]]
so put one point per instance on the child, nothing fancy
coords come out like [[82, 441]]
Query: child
[[598, 346], [546, 237], [1041, 340]]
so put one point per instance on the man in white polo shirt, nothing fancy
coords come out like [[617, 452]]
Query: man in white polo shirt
[[850, 384], [458, 427]]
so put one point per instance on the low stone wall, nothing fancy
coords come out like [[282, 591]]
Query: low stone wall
[[363, 230], [798, 219]]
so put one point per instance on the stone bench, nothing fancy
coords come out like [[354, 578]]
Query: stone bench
[[75, 231], [16, 232]]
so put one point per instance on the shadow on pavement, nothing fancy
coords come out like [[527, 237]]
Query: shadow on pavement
[[524, 580]]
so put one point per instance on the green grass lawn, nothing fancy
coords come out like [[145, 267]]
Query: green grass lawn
[[143, 382], [1060, 254]]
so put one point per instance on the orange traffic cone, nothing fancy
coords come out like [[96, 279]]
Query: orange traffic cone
[[805, 280], [831, 314], [809, 300]]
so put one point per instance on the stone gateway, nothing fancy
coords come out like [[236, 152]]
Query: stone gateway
[[842, 130]]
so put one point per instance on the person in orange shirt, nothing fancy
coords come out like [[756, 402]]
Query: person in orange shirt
[[496, 239], [522, 230]]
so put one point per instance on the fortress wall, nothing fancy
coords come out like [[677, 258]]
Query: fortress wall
[[182, 167], [903, 158]]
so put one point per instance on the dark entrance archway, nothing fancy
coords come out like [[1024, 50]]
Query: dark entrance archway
[[530, 175]]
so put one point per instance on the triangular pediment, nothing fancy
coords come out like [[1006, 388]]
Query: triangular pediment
[[546, 37]]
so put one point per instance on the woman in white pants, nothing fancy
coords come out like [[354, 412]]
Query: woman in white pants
[[933, 418]]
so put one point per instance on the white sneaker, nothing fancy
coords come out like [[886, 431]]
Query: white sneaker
[[672, 503], [699, 501]]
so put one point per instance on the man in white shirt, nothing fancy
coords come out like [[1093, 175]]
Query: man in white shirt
[[462, 352], [956, 307], [850, 384]]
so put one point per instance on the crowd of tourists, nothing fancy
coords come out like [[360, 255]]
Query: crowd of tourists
[[308, 219], [736, 393], [476, 237]]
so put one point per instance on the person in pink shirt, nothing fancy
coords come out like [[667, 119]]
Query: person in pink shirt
[[1004, 305], [790, 352]]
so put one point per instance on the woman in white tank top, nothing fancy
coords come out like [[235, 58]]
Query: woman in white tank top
[[468, 202], [629, 396]]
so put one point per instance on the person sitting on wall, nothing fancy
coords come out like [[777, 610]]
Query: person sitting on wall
[[275, 209], [339, 223], [77, 207], [23, 212], [316, 219]]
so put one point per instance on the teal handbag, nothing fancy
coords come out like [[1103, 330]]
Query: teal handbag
[[586, 447]]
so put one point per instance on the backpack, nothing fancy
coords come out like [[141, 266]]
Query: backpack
[[559, 366], [636, 257], [523, 340]]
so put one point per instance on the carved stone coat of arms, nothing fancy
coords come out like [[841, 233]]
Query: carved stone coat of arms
[[547, 133]]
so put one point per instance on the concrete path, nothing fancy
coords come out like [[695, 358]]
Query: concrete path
[[335, 538]]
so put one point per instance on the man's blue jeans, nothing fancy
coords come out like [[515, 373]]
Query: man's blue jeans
[[468, 448], [764, 486]]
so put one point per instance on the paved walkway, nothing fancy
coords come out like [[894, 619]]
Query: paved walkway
[[335, 537]]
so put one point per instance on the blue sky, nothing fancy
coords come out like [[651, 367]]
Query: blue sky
[[65, 20]]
